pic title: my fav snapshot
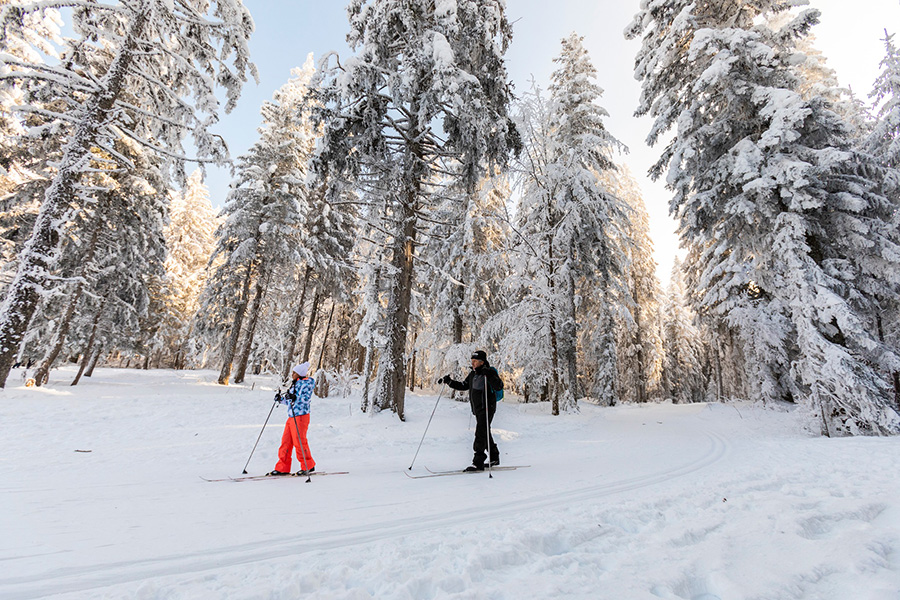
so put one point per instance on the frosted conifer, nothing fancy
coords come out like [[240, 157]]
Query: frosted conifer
[[125, 74], [424, 97], [790, 241], [568, 225], [190, 241]]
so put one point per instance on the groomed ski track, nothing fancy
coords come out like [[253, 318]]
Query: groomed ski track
[[194, 564]]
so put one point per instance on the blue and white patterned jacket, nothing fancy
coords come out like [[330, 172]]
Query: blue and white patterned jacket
[[303, 390]]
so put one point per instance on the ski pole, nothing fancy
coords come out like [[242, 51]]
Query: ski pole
[[261, 432], [487, 427], [426, 428], [304, 462]]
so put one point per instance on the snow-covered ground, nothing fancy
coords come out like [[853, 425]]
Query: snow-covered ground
[[101, 497]]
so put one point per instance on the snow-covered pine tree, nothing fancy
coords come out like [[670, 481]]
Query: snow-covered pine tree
[[190, 241], [260, 233], [466, 266], [122, 195], [568, 221], [277, 229], [883, 142], [115, 266], [639, 339], [682, 377], [425, 95], [155, 53], [790, 240], [60, 302], [330, 226]]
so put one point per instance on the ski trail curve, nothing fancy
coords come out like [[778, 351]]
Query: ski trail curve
[[86, 579]]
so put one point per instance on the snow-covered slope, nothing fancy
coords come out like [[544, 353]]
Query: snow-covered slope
[[685, 502]]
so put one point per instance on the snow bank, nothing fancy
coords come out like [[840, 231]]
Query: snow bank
[[102, 498]]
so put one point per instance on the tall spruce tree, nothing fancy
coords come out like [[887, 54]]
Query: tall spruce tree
[[883, 141], [126, 73], [425, 95], [466, 267], [789, 237], [639, 345], [279, 230], [262, 221], [190, 241], [568, 221], [682, 377]]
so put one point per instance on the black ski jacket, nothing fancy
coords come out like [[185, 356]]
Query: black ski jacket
[[483, 379]]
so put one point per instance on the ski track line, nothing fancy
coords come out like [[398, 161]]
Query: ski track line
[[83, 579]]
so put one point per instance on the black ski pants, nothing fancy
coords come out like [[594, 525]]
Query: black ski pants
[[482, 433]]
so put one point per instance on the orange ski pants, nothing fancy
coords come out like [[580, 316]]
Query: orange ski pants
[[294, 438]]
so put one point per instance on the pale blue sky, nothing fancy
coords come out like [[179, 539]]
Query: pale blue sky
[[287, 30]]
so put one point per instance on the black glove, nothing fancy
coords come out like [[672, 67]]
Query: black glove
[[291, 396], [277, 396], [444, 379]]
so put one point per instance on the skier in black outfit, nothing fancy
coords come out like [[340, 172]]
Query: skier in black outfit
[[482, 382]]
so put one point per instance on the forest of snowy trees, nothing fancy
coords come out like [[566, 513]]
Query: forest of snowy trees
[[402, 207]]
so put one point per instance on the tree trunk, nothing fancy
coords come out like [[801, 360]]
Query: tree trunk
[[458, 297], [568, 346], [325, 339], [343, 347], [255, 308], [25, 290], [85, 359], [94, 360], [59, 337], [89, 350], [392, 370], [897, 390], [643, 395], [360, 358], [42, 373], [311, 326], [294, 333], [554, 384], [895, 377], [412, 364], [372, 306], [718, 361], [231, 344], [367, 376]]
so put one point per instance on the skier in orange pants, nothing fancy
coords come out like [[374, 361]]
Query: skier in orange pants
[[297, 399]]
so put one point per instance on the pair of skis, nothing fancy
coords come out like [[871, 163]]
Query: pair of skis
[[461, 472], [320, 473], [261, 477]]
